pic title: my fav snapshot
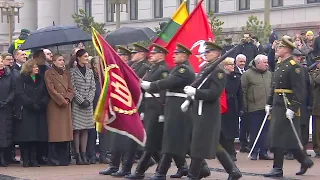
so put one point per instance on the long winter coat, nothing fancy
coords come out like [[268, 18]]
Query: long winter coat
[[206, 128], [230, 119], [316, 101], [33, 125], [84, 87], [59, 114], [6, 94]]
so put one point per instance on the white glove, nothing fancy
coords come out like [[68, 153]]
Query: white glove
[[189, 90], [290, 114], [268, 108], [145, 85]]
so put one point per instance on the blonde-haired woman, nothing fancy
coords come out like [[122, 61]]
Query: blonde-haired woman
[[60, 89], [31, 129]]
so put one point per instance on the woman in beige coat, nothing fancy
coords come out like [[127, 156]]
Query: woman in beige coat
[[60, 131]]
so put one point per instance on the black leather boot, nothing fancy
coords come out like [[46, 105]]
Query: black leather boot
[[127, 162], [228, 164], [162, 168], [143, 165], [113, 165], [182, 166], [205, 171], [78, 159], [305, 161], [195, 169], [275, 172], [84, 158]]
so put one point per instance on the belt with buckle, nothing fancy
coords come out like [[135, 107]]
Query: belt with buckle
[[287, 91]]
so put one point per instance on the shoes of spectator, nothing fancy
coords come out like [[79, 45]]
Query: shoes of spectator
[[93, 160], [288, 156], [254, 156], [265, 157]]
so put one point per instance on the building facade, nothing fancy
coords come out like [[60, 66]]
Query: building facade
[[286, 15]]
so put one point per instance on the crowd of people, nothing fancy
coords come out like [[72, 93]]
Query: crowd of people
[[47, 105]]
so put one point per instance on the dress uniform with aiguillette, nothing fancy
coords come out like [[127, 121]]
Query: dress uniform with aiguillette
[[206, 122], [287, 87], [174, 143], [153, 117], [123, 149]]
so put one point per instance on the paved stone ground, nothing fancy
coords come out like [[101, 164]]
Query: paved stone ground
[[252, 170]]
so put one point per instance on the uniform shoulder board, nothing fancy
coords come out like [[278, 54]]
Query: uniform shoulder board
[[292, 62]]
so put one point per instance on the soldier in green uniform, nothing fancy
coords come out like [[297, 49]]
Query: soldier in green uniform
[[153, 114], [287, 85], [123, 149], [139, 62], [174, 143], [206, 120]]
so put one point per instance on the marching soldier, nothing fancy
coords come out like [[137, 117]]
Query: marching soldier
[[206, 120], [174, 143], [153, 115], [315, 75], [124, 53], [139, 62], [285, 101], [123, 149]]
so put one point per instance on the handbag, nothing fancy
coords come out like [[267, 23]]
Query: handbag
[[17, 110]]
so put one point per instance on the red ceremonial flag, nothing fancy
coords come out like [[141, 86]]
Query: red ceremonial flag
[[117, 108], [193, 34]]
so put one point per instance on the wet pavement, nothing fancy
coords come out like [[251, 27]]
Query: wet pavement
[[251, 170]]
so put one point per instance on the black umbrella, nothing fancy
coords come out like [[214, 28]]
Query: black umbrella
[[55, 36], [127, 35]]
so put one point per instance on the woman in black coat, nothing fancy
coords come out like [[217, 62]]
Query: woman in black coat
[[6, 98], [230, 119], [32, 127]]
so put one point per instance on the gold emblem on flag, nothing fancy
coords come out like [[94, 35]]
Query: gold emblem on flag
[[121, 92]]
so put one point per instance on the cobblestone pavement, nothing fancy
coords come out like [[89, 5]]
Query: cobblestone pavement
[[251, 170]]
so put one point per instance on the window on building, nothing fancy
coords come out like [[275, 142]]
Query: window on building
[[213, 5], [158, 8], [313, 1], [133, 9], [188, 2], [110, 11], [123, 8], [276, 3], [244, 5], [88, 7]]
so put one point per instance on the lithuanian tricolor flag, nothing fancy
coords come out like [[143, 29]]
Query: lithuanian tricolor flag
[[178, 18]]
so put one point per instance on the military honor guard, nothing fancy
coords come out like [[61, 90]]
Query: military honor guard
[[285, 101], [206, 127], [124, 53], [174, 143], [153, 114], [139, 62]]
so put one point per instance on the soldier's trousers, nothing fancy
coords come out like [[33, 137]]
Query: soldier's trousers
[[316, 132], [279, 155]]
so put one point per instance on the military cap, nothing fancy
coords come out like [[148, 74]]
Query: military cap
[[211, 46], [286, 41], [138, 48], [158, 49], [297, 52], [182, 49], [123, 51], [317, 58], [25, 31]]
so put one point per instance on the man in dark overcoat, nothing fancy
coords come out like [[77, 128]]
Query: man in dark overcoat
[[285, 100], [174, 143], [153, 114], [206, 120]]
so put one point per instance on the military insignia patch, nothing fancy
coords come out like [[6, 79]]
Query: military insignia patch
[[182, 70], [220, 75], [164, 74], [297, 70]]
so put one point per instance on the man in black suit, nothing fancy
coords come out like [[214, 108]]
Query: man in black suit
[[20, 58]]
